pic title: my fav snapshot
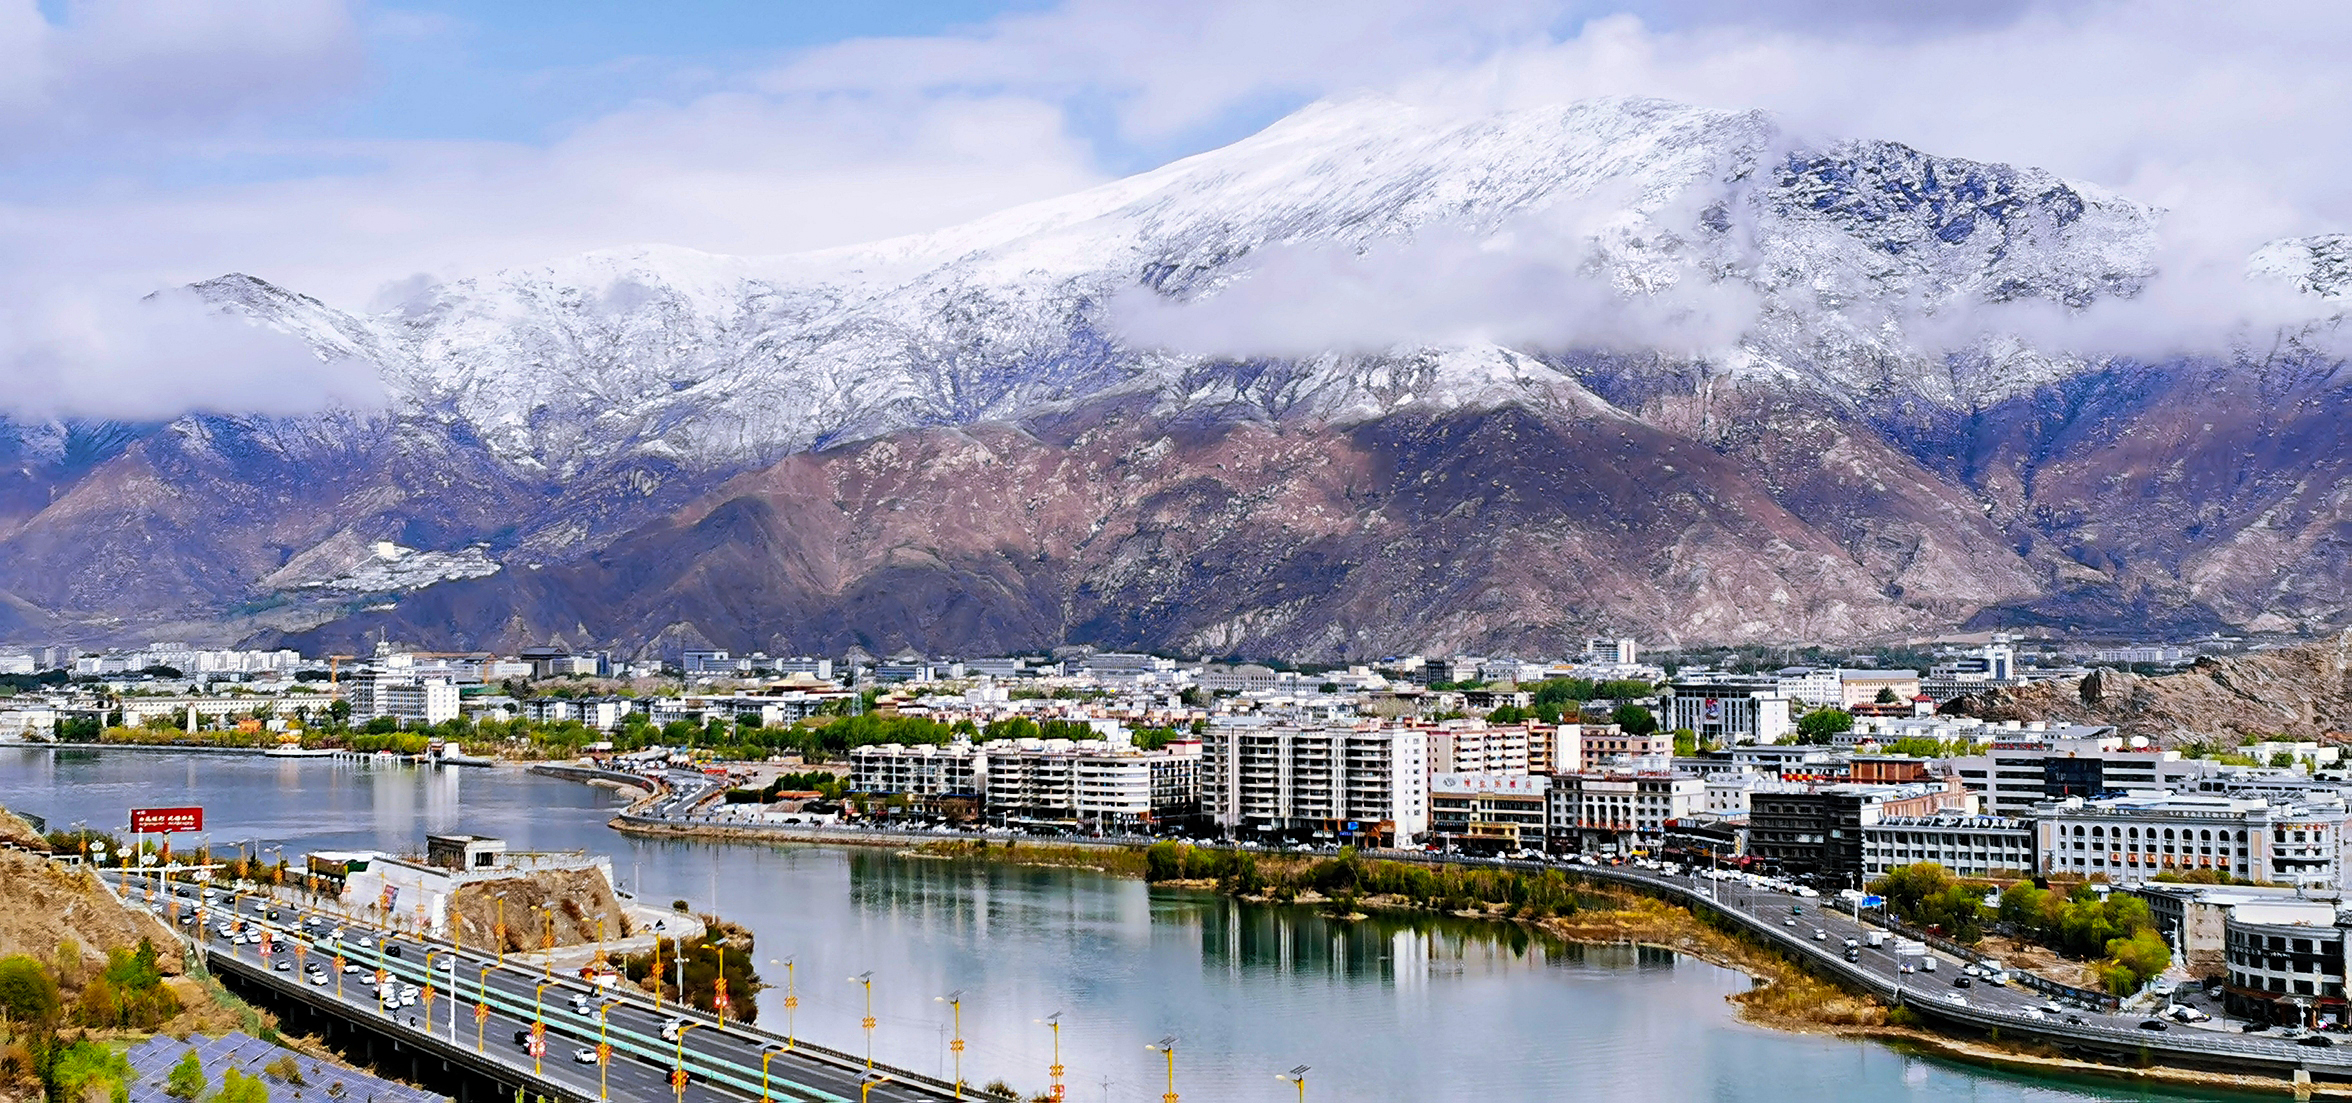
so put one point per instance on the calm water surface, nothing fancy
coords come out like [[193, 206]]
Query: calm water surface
[[1385, 1012]]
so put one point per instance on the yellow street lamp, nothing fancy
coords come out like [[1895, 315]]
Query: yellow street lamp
[[603, 1048], [481, 1005], [767, 1053], [678, 1076], [1167, 1047], [1296, 1076], [498, 929], [547, 938], [428, 993], [791, 1001], [538, 1028], [867, 978], [1054, 1021], [955, 1002], [866, 1086]]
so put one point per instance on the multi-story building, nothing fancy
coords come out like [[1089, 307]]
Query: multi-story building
[[1992, 666], [1817, 830], [2286, 961], [1600, 743], [1618, 809], [2137, 837], [1612, 652], [1729, 709], [924, 771], [2015, 775], [404, 696], [1813, 685], [1090, 783], [1367, 784], [1488, 813], [1459, 748], [1864, 687], [1972, 846]]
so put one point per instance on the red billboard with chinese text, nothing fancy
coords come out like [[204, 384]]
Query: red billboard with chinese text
[[146, 821]]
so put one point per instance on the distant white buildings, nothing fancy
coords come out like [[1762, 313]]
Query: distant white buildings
[[409, 697], [2137, 837]]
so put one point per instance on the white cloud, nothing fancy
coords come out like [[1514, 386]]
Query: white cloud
[[164, 355]]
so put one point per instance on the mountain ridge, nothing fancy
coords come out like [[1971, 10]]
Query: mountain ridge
[[1870, 407]]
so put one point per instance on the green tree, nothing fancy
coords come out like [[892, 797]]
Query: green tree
[[27, 994], [187, 1078], [1887, 697], [1634, 719], [1823, 725], [1686, 742], [237, 1087]]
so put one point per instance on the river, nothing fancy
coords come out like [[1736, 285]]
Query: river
[[1382, 1011]]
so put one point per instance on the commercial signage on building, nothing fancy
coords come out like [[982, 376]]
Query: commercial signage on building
[[145, 821]]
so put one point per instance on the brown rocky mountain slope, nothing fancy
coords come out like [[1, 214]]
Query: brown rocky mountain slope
[[2300, 692], [1490, 529]]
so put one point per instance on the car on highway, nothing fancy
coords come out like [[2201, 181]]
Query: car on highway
[[1956, 998], [1961, 982], [1820, 935], [350, 967], [584, 1056], [669, 1031], [318, 980], [392, 948], [2153, 1024], [2315, 1040], [283, 966]]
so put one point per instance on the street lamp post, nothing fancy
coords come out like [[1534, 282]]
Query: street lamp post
[[538, 1027], [547, 939], [678, 1075], [481, 1005], [428, 993], [955, 1002], [603, 1048], [767, 1053], [791, 1001], [1167, 1048], [1054, 1022], [498, 929], [867, 1085], [867, 978], [1297, 1076]]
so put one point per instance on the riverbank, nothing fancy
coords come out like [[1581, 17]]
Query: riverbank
[[1785, 996]]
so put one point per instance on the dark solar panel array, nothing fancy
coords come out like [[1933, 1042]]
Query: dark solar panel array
[[152, 1061]]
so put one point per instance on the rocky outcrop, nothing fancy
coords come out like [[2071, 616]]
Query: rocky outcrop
[[2300, 692]]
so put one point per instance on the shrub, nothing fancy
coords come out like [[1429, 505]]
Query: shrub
[[27, 994]]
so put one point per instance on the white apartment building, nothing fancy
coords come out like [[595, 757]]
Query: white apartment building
[[1814, 685], [2136, 837], [1971, 846], [1731, 709], [1727, 791], [2015, 776], [924, 771], [1621, 809], [1336, 783], [1866, 686], [1600, 743], [1457, 747], [408, 700]]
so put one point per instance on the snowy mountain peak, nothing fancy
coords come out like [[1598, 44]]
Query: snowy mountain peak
[[1809, 262]]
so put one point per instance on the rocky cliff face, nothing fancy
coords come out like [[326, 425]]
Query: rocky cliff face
[[2298, 693], [784, 452]]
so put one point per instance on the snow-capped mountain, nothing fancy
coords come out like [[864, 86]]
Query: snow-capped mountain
[[1811, 369], [718, 361]]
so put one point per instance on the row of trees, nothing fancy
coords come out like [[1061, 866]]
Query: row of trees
[[2115, 930], [1349, 877], [37, 1001]]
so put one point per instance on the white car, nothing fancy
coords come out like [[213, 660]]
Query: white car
[[319, 979], [584, 1056], [1955, 997], [670, 1029]]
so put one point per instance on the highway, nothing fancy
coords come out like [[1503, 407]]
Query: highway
[[722, 1060]]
